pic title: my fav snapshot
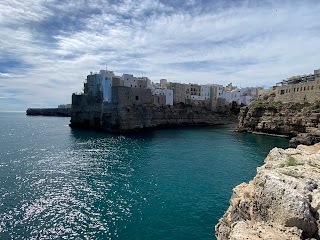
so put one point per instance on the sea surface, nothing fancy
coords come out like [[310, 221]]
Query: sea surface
[[59, 183]]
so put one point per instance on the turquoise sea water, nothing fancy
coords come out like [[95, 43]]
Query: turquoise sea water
[[59, 183]]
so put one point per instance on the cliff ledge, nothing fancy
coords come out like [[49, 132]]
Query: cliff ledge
[[281, 202]]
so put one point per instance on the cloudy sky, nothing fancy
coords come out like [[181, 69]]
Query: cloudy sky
[[47, 47]]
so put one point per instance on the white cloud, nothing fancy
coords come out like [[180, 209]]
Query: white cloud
[[249, 45]]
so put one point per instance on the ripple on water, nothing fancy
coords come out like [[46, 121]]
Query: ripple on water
[[172, 184]]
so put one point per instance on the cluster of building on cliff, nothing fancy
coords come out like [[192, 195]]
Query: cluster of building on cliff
[[301, 88], [106, 87]]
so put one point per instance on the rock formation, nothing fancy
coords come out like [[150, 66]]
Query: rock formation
[[58, 112], [281, 202], [289, 119], [128, 118]]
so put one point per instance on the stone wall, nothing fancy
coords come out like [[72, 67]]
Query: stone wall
[[128, 96], [299, 92]]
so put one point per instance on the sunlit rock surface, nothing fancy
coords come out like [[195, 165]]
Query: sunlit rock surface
[[281, 202]]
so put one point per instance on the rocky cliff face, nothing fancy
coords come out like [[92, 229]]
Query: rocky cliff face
[[289, 119], [118, 118], [281, 202]]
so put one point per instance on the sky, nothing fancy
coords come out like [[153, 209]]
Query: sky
[[48, 47]]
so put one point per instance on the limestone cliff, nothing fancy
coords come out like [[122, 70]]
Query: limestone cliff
[[119, 118], [281, 202], [289, 119]]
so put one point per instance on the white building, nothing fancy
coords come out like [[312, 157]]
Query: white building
[[129, 80], [167, 92], [106, 84], [240, 95], [205, 92]]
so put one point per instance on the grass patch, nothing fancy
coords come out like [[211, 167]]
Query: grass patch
[[247, 195], [262, 184], [292, 162]]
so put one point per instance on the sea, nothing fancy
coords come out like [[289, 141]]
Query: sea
[[61, 183]]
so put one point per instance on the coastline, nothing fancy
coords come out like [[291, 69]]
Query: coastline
[[263, 133]]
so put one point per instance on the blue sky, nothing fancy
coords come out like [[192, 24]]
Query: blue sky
[[47, 47]]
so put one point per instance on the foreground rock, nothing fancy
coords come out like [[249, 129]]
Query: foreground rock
[[289, 119], [281, 202]]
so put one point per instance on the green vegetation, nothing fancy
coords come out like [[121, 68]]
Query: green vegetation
[[260, 104], [183, 105], [262, 184], [317, 105], [292, 161], [247, 195], [264, 104]]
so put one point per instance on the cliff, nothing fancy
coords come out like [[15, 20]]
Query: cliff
[[128, 118], [281, 202], [58, 112], [297, 121]]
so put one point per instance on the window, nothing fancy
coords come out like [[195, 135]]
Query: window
[[131, 85], [308, 88], [137, 98], [312, 87], [294, 89], [304, 88]]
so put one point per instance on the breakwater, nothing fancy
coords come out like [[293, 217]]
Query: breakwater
[[59, 112]]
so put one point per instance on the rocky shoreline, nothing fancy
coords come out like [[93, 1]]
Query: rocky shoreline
[[281, 202], [298, 121]]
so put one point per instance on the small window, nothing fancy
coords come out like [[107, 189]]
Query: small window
[[308, 87], [131, 85], [312, 87], [304, 88], [137, 98]]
